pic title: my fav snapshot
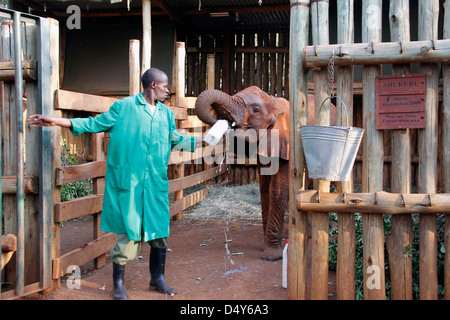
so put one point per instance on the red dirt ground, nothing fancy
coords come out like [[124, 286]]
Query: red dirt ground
[[197, 265]]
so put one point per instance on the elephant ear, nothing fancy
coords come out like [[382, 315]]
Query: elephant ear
[[276, 142]]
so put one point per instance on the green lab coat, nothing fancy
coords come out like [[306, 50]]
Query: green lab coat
[[136, 199]]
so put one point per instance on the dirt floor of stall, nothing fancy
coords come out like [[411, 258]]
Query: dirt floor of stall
[[207, 259]]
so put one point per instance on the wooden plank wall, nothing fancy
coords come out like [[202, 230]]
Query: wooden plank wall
[[9, 151], [255, 58], [413, 163]]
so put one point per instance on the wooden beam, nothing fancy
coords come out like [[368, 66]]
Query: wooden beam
[[298, 115], [374, 202], [146, 35], [446, 150], [345, 269], [78, 207], [188, 201], [401, 229], [80, 172], [187, 102], [194, 179], [134, 67], [320, 222], [76, 101], [428, 154], [30, 184], [374, 53], [192, 122], [28, 67], [180, 113], [83, 255]]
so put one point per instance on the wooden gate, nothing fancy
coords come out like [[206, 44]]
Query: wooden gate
[[372, 53], [26, 80]]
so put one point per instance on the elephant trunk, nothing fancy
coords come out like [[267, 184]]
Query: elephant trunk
[[219, 101]]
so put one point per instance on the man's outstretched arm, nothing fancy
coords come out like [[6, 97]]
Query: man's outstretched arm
[[39, 120]]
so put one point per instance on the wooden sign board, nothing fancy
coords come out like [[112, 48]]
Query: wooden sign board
[[400, 101]]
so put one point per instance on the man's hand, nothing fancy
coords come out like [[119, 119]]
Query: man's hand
[[39, 120]]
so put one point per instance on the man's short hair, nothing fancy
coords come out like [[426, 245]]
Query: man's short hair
[[152, 74]]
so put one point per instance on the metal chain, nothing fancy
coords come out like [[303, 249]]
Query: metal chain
[[331, 74]]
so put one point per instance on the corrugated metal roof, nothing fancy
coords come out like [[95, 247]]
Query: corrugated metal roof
[[241, 13]]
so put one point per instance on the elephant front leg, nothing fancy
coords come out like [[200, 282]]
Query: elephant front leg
[[273, 233], [264, 186]]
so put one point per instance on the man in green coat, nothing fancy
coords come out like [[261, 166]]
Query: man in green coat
[[135, 203]]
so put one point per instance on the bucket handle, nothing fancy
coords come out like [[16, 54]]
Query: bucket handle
[[346, 110]]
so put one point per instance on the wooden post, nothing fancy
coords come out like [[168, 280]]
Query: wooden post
[[180, 87], [9, 146], [146, 35], [226, 59], [211, 71], [401, 234], [320, 221], [56, 139], [427, 180], [373, 231], [345, 277], [446, 151], [298, 100], [98, 153], [134, 70], [376, 53], [210, 85]]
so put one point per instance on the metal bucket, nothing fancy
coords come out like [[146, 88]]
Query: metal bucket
[[330, 151]]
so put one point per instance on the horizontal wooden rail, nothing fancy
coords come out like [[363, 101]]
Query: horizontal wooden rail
[[27, 290], [80, 256], [30, 184], [376, 53], [80, 172], [78, 207], [377, 202], [180, 113], [192, 122], [68, 100], [7, 70], [188, 201], [187, 102], [194, 179], [77, 101]]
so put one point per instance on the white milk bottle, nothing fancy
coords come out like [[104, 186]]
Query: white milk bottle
[[216, 132]]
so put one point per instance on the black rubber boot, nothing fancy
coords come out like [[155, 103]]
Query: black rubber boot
[[157, 265], [120, 292]]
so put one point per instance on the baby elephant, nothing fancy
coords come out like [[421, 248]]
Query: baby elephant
[[261, 119]]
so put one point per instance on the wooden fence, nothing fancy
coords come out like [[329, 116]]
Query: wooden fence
[[32, 224], [263, 60], [373, 204], [241, 60], [95, 169], [28, 50]]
